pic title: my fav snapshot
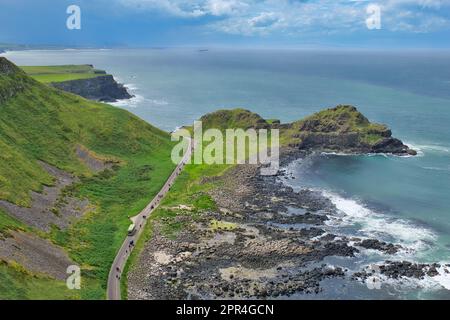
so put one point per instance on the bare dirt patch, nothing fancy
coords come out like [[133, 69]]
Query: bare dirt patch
[[48, 208], [35, 254], [92, 161]]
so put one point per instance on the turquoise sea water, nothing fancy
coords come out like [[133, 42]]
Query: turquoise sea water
[[404, 200]]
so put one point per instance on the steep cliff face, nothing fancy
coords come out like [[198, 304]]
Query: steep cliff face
[[103, 88]]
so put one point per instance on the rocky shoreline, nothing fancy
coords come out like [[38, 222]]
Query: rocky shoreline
[[264, 241]]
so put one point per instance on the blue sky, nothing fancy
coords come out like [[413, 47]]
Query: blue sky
[[253, 23]]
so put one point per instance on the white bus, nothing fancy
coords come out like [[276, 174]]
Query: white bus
[[132, 230]]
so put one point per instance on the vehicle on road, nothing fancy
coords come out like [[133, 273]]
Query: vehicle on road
[[132, 230]]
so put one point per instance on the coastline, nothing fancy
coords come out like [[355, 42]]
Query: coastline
[[419, 270], [271, 242], [103, 88]]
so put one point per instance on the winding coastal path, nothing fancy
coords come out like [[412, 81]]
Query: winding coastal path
[[115, 274]]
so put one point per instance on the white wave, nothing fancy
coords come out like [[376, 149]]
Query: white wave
[[134, 102], [138, 100], [130, 86], [444, 277], [374, 224], [441, 281], [380, 154], [339, 154], [436, 168], [429, 147], [158, 102]]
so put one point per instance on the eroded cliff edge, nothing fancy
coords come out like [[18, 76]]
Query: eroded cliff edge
[[102, 88]]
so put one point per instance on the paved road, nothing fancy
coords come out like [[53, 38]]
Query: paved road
[[140, 220]]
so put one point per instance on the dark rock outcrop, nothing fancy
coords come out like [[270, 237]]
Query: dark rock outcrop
[[103, 88], [345, 130], [351, 143], [392, 145]]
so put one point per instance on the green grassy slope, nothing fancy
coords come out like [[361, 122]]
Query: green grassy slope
[[48, 74], [231, 119], [41, 123]]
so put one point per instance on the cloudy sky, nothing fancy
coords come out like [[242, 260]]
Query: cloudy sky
[[259, 23]]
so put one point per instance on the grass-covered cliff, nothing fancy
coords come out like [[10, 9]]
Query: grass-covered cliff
[[340, 129], [42, 128], [49, 74], [82, 80]]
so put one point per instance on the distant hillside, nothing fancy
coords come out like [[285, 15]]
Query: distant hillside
[[74, 170]]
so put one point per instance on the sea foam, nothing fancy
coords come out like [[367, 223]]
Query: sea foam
[[378, 225]]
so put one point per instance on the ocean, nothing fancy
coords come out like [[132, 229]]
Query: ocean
[[405, 200]]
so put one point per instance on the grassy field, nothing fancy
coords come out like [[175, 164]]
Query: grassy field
[[40, 123], [48, 74]]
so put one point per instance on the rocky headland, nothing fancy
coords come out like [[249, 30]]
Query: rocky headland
[[103, 88], [343, 129]]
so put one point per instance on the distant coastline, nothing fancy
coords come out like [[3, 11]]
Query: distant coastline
[[83, 80]]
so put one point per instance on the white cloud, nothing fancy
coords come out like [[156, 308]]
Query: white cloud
[[250, 17], [187, 8], [225, 7], [179, 8]]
